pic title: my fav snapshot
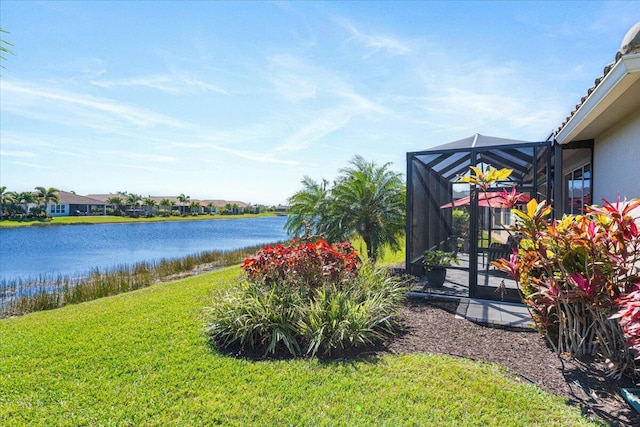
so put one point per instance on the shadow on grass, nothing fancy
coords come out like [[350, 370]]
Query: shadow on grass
[[366, 354]]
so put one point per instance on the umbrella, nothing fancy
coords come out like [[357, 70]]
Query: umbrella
[[487, 200]]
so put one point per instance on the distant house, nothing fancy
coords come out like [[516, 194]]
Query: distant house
[[71, 204]]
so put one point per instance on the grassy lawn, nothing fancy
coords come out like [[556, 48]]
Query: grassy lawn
[[142, 358], [107, 219]]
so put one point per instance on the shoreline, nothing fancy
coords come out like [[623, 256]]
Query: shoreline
[[110, 219]]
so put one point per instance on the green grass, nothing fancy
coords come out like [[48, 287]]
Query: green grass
[[109, 219], [142, 358], [388, 258]]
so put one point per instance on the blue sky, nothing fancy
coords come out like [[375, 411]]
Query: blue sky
[[239, 101]]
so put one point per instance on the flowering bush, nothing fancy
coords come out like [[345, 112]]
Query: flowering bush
[[575, 273], [572, 272], [307, 298], [306, 265], [629, 315]]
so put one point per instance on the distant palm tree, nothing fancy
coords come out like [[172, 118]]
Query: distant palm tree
[[116, 203], [195, 206], [46, 196], [150, 204], [25, 198], [7, 198], [184, 200], [307, 208], [166, 204], [211, 207], [134, 200]]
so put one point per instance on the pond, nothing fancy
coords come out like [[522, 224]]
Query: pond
[[76, 249]]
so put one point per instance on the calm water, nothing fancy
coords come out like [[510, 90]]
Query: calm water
[[75, 250]]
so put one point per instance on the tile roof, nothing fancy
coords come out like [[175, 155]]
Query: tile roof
[[67, 198]]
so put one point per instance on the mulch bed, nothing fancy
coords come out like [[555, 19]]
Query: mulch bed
[[431, 327]]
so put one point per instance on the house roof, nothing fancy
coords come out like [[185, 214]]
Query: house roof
[[217, 203], [614, 94], [67, 198], [477, 141]]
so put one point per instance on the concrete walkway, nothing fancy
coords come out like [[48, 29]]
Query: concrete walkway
[[487, 312], [495, 313]]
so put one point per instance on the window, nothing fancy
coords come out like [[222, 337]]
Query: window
[[58, 209], [577, 189], [502, 217]]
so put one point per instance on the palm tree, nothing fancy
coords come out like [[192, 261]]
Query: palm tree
[[211, 207], [46, 196], [134, 200], [183, 202], [196, 206], [25, 198], [116, 202], [306, 208], [368, 200], [150, 203], [166, 204], [7, 198]]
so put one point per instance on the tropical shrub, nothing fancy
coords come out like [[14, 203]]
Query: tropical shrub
[[304, 265], [573, 273], [257, 317], [306, 298], [629, 315], [577, 274], [339, 319]]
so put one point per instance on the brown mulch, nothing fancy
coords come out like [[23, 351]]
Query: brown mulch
[[431, 327]]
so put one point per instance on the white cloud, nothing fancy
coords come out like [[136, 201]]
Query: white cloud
[[142, 168], [174, 84], [22, 154], [144, 157], [376, 42], [24, 98], [316, 129], [32, 165]]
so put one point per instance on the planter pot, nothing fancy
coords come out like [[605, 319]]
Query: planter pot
[[436, 276]]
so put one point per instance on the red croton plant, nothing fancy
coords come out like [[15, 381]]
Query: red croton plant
[[578, 275], [303, 264]]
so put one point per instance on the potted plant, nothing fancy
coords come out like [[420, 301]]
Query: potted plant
[[435, 265]]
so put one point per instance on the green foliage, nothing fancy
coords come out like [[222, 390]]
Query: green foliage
[[306, 298], [571, 273], [460, 223], [141, 359], [307, 209], [438, 258], [366, 200], [256, 316], [5, 47], [339, 319]]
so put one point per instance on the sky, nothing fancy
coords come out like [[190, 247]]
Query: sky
[[241, 100]]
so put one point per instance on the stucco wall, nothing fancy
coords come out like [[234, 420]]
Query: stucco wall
[[616, 161]]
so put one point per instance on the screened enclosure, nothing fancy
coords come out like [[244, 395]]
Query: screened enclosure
[[443, 214]]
